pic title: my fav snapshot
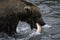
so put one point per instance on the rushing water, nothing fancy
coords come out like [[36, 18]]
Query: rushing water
[[51, 15]]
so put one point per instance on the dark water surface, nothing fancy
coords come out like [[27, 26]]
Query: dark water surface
[[51, 15]]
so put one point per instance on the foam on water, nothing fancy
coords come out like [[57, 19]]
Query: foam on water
[[23, 27], [47, 26]]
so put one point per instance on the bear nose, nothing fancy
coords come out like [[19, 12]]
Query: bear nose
[[41, 22]]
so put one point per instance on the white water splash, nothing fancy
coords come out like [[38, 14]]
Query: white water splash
[[47, 26], [23, 28]]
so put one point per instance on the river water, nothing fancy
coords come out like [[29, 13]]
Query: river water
[[51, 15]]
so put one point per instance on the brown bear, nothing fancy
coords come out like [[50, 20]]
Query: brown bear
[[13, 11]]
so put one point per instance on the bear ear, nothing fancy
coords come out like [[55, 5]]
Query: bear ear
[[27, 8]]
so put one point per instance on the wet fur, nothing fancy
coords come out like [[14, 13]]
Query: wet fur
[[12, 11]]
